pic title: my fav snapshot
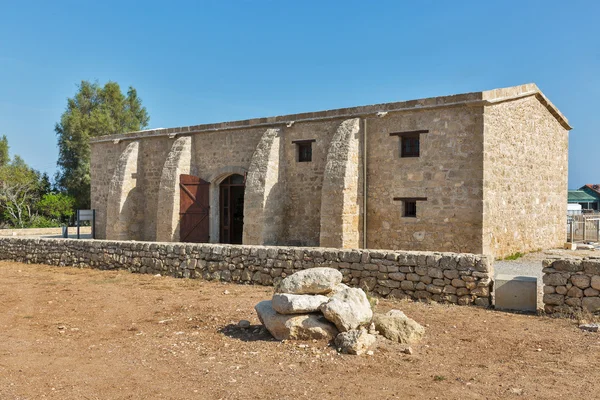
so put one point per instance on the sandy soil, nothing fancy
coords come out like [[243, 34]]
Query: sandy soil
[[68, 333]]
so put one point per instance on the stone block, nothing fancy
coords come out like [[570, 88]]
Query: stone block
[[518, 293], [561, 289], [556, 279], [591, 304], [575, 292], [568, 265], [554, 299], [581, 281], [591, 267]]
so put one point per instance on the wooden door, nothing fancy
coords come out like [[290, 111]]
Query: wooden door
[[194, 209]]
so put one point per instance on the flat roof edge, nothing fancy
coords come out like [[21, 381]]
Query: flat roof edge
[[467, 99]]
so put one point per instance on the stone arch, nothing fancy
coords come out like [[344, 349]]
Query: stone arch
[[340, 208], [123, 197], [178, 162], [215, 180]]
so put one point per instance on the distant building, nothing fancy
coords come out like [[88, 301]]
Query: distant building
[[594, 191], [483, 172], [584, 199]]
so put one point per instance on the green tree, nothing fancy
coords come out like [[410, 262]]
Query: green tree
[[19, 189], [4, 157], [45, 184], [93, 111], [56, 206]]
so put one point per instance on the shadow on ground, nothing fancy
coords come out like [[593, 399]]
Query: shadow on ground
[[251, 334]]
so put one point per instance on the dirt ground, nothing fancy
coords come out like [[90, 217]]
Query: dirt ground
[[70, 333]]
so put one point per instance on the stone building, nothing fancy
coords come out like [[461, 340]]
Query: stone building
[[482, 172]]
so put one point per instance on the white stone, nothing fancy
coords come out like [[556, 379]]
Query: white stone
[[294, 327], [586, 327], [355, 341], [285, 303], [311, 281], [348, 309], [396, 326], [338, 288]]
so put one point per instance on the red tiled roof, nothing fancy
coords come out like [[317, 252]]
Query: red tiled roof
[[594, 186]]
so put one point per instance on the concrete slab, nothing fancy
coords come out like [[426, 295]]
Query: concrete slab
[[515, 292]]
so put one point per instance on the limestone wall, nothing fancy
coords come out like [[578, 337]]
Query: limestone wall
[[525, 178], [448, 172], [572, 284], [491, 176], [103, 161], [83, 230], [444, 277], [304, 181]]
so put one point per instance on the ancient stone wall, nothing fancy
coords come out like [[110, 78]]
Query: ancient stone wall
[[443, 277], [103, 161], [525, 178], [572, 284], [304, 181], [57, 232], [448, 173], [490, 176]]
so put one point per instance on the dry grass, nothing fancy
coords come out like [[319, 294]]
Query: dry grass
[[67, 333]]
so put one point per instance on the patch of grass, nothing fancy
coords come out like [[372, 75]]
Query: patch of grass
[[439, 378], [583, 316], [514, 256], [372, 300]]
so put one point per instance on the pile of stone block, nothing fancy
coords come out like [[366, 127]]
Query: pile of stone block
[[315, 304]]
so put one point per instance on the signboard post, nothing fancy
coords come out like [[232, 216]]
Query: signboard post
[[87, 215]]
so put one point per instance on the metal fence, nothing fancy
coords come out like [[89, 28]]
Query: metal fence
[[583, 228]]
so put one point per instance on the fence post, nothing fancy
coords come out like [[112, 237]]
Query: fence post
[[584, 228], [572, 230]]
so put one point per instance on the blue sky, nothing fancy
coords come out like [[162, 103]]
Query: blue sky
[[200, 62]]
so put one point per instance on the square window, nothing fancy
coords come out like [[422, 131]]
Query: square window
[[410, 208], [409, 146], [305, 152]]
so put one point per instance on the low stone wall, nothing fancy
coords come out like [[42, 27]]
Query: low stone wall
[[43, 231], [572, 284], [443, 277]]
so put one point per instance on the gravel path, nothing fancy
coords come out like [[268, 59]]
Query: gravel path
[[531, 265]]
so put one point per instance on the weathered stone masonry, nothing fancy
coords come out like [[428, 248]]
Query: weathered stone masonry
[[571, 284], [444, 277], [491, 175]]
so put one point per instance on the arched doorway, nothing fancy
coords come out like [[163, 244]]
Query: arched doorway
[[231, 199]]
